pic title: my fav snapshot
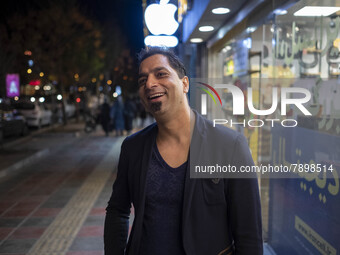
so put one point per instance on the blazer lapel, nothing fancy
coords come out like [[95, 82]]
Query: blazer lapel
[[189, 188]]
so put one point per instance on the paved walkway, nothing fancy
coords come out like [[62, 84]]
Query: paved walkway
[[56, 205]]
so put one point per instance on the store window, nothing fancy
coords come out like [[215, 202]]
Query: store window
[[292, 51], [303, 52], [307, 47]]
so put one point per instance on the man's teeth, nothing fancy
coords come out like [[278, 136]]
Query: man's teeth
[[156, 95]]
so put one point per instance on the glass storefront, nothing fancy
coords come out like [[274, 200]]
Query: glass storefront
[[276, 61]]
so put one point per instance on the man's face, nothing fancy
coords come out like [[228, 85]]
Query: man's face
[[160, 88]]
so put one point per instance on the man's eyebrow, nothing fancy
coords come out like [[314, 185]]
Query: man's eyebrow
[[156, 69], [159, 69], [142, 75]]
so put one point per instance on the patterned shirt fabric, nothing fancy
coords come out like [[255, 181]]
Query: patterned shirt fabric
[[162, 226]]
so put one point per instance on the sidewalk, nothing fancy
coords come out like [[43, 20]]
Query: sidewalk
[[56, 205], [22, 152]]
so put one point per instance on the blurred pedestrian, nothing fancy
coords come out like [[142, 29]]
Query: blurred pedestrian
[[105, 116], [141, 113], [129, 114], [117, 116]]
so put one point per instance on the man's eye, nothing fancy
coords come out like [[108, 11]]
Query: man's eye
[[141, 82], [161, 74]]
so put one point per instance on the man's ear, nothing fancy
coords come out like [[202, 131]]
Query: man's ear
[[185, 81]]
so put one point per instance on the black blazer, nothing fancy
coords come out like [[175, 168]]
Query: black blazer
[[219, 217]]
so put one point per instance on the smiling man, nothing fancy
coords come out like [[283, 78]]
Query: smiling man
[[173, 213]]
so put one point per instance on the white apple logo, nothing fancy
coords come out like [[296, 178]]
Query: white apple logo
[[160, 18]]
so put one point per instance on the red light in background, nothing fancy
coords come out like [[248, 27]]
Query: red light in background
[[34, 82], [78, 100]]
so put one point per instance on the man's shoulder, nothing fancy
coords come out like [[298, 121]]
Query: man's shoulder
[[219, 132], [141, 136]]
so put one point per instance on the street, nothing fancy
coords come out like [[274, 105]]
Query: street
[[55, 203]]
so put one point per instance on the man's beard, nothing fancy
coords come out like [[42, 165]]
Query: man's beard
[[155, 107]]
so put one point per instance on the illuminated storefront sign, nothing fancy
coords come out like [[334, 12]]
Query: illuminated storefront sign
[[160, 21], [12, 85], [157, 40], [182, 9]]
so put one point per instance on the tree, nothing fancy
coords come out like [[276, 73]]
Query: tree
[[63, 42]]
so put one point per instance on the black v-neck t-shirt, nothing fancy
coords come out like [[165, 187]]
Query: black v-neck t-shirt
[[162, 226]]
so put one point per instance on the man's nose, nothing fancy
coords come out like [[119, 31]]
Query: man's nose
[[151, 82]]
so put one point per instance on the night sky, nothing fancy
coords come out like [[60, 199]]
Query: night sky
[[128, 14]]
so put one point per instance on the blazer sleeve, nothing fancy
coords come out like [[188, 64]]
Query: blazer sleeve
[[244, 208], [118, 210]]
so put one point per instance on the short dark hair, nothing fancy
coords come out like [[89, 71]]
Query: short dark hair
[[173, 59]]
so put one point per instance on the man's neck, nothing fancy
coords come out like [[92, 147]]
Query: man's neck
[[177, 129]]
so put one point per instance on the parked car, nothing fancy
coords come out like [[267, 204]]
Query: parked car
[[36, 114], [70, 110], [11, 122], [57, 112]]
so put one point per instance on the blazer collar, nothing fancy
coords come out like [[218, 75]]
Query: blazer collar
[[200, 125], [189, 188]]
